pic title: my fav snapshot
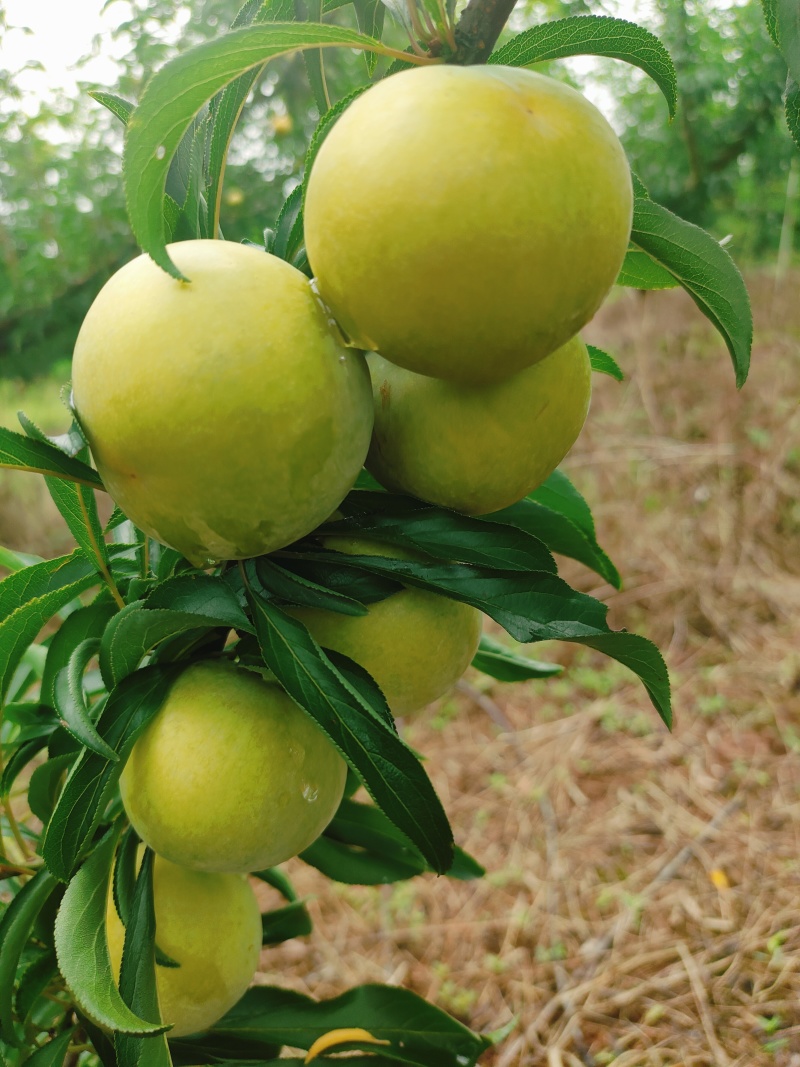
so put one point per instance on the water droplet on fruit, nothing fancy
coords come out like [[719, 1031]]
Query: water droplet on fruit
[[310, 793], [342, 359]]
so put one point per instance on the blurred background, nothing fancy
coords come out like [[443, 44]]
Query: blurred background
[[642, 901]]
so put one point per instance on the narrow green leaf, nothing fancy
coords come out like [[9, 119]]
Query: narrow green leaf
[[19, 759], [370, 15], [311, 11], [17, 561], [282, 924], [535, 607], [771, 18], [559, 494], [33, 980], [594, 35], [390, 771], [293, 589], [137, 982], [88, 788], [45, 784], [71, 703], [792, 110], [287, 237], [275, 877], [80, 625], [82, 945], [706, 272], [15, 928], [30, 597], [444, 534], [354, 866], [226, 106], [22, 453], [787, 14], [324, 127], [116, 104], [603, 363], [177, 92], [53, 1053], [137, 628], [202, 595], [502, 663], [417, 1032], [639, 271], [124, 877]]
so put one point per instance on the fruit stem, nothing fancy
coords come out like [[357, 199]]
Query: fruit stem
[[480, 25]]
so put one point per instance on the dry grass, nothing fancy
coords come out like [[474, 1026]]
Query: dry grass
[[643, 900], [642, 905]]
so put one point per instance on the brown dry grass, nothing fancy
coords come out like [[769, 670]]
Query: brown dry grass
[[642, 905], [643, 900]]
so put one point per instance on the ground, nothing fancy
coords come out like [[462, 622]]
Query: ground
[[642, 905]]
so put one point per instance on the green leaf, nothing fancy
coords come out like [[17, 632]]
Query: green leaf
[[33, 980], [116, 104], [177, 92], [53, 1053], [16, 561], [137, 982], [20, 759], [204, 602], [535, 607], [787, 14], [226, 107], [80, 625], [71, 703], [287, 237], [771, 18], [275, 877], [560, 525], [639, 271], [293, 589], [30, 597], [603, 363], [370, 15], [792, 110], [88, 788], [594, 35], [417, 1032], [446, 535], [15, 928], [202, 595], [311, 11], [390, 771], [324, 127], [282, 924], [45, 784], [40, 457], [706, 272], [124, 877], [361, 846], [82, 945], [500, 662]]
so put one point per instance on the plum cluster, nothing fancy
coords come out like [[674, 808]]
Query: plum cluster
[[462, 224]]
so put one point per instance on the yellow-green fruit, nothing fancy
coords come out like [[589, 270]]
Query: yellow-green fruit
[[209, 924], [230, 774], [472, 448], [223, 414], [466, 221], [415, 644]]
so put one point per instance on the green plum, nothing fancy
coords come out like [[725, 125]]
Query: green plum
[[224, 415], [230, 774], [467, 221], [477, 449]]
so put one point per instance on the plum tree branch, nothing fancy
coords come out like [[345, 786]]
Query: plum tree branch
[[480, 25]]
